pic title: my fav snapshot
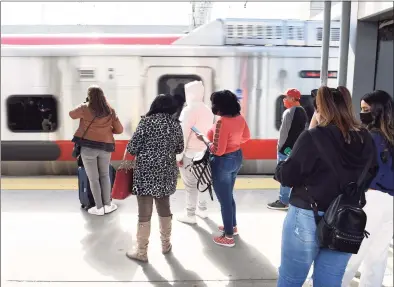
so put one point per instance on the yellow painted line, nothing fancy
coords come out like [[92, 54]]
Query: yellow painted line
[[70, 183]]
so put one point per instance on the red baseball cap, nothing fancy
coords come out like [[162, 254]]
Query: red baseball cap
[[293, 93]]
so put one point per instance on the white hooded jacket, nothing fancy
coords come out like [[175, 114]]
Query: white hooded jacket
[[196, 114]]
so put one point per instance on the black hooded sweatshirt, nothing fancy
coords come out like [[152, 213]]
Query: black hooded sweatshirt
[[305, 166]]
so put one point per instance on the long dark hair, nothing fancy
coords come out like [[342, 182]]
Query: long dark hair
[[163, 104], [97, 102], [333, 108], [225, 103], [382, 111]]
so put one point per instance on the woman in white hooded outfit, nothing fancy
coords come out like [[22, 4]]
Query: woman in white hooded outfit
[[196, 114]]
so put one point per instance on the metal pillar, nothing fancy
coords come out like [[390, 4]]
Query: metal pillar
[[344, 43], [325, 43]]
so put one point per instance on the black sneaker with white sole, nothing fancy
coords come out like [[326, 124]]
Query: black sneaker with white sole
[[277, 205]]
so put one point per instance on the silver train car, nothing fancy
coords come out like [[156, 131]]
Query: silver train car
[[44, 77]]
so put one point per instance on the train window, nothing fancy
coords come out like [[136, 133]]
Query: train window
[[306, 102], [32, 113], [174, 84]]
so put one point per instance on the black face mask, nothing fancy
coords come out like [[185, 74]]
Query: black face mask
[[366, 118]]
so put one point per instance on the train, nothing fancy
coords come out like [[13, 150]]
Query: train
[[45, 76]]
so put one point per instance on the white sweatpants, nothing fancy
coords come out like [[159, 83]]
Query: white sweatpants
[[192, 193], [373, 253]]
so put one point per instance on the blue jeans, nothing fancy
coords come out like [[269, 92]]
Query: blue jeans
[[300, 249], [224, 172], [284, 191]]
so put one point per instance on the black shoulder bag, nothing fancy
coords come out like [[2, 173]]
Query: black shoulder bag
[[201, 169], [77, 148], [342, 227]]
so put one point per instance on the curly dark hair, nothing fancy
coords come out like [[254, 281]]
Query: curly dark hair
[[225, 103], [163, 104]]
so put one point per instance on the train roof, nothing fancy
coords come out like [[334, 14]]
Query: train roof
[[221, 32], [88, 39], [109, 29], [162, 51]]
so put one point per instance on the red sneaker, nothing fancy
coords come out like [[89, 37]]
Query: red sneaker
[[224, 241], [235, 230]]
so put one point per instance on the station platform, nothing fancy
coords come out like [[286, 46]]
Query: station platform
[[47, 240], [71, 183]]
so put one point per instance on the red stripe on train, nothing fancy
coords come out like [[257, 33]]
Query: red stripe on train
[[165, 40], [253, 149]]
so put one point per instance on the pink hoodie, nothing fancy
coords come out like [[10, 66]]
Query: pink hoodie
[[197, 114]]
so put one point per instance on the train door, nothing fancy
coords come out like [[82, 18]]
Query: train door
[[165, 79]]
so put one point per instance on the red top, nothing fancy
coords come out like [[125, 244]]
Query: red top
[[227, 135]]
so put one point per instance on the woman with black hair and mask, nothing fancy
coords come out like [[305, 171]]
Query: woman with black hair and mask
[[377, 114], [155, 143], [224, 140]]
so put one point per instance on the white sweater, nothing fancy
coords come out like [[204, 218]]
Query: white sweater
[[196, 114]]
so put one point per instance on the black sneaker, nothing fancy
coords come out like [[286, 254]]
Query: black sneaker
[[277, 205]]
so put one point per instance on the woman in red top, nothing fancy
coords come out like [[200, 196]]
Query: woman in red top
[[224, 140]]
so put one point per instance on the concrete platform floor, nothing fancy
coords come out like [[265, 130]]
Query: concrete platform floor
[[46, 240]]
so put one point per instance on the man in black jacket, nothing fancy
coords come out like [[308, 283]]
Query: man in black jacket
[[294, 122]]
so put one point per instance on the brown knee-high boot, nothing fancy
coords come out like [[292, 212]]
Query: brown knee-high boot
[[165, 233], [141, 251]]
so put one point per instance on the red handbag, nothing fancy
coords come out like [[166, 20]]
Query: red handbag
[[123, 184]]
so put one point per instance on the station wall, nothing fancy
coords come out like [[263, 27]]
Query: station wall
[[370, 59]]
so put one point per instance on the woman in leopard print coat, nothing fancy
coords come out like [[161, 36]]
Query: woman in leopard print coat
[[155, 143]]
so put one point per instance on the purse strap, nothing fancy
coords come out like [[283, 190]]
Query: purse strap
[[83, 135], [125, 153]]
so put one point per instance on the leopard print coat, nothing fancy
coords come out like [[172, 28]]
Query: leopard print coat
[[156, 141]]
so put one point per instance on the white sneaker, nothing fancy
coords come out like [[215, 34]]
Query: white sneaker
[[187, 219], [110, 208], [201, 213], [96, 211]]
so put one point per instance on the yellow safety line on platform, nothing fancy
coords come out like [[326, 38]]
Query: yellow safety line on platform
[[70, 183]]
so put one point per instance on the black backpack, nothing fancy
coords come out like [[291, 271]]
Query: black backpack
[[342, 227]]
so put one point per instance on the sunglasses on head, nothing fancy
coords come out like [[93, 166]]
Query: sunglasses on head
[[314, 91]]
